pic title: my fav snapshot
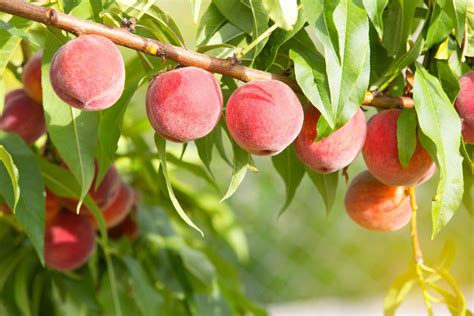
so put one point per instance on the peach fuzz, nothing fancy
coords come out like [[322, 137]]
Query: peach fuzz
[[31, 78], [88, 73], [23, 116], [376, 206], [465, 100], [381, 152], [264, 116], [69, 242], [184, 104], [335, 151]]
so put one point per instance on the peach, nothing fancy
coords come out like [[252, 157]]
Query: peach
[[465, 101], [107, 189], [88, 73], [427, 175], [118, 209], [468, 132], [184, 104], [128, 228], [52, 208], [376, 206], [335, 151], [31, 78], [381, 152], [69, 242], [264, 116], [23, 116]]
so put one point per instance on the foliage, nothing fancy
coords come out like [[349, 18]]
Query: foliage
[[335, 50]]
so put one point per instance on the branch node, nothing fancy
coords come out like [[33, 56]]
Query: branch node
[[129, 24], [234, 60], [52, 16]]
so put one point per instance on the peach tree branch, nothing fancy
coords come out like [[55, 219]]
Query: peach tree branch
[[185, 57]]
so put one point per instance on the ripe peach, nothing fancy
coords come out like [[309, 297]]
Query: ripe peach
[[381, 152], [23, 116], [468, 132], [128, 228], [69, 242], [465, 100], [116, 211], [52, 208], [264, 116], [377, 206], [335, 151], [108, 188], [184, 104], [31, 78], [88, 73], [427, 175]]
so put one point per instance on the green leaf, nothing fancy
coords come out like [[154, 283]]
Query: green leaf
[[469, 40], [468, 171], [459, 14], [406, 136], [397, 292], [398, 22], [441, 124], [260, 23], [375, 9], [12, 171], [241, 163], [195, 7], [148, 300], [291, 170], [9, 263], [441, 22], [161, 146], [283, 12], [73, 132], [30, 208], [110, 127], [326, 185], [342, 28], [237, 13], [448, 79], [211, 21], [23, 275], [199, 266], [204, 147], [59, 180]]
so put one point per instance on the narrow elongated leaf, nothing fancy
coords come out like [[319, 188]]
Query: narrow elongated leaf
[[398, 22], [260, 25], [148, 299], [375, 9], [448, 79], [406, 136], [327, 186], [283, 12], [237, 13], [195, 7], [211, 21], [73, 132], [442, 22], [110, 126], [12, 171], [342, 28], [291, 170], [397, 292], [241, 163], [441, 124], [30, 208], [204, 147], [161, 146]]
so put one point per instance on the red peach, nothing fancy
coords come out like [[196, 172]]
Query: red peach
[[468, 132], [184, 104], [264, 116], [381, 152], [31, 78], [377, 206], [69, 242], [52, 208], [88, 73], [23, 116], [335, 151], [465, 101], [108, 188], [128, 228]]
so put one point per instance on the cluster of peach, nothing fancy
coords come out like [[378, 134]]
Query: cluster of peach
[[70, 238], [263, 117]]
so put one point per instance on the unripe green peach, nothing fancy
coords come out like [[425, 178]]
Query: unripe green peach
[[376, 206], [381, 152], [88, 73], [264, 116], [337, 150]]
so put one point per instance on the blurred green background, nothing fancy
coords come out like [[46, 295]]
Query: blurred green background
[[306, 254]]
